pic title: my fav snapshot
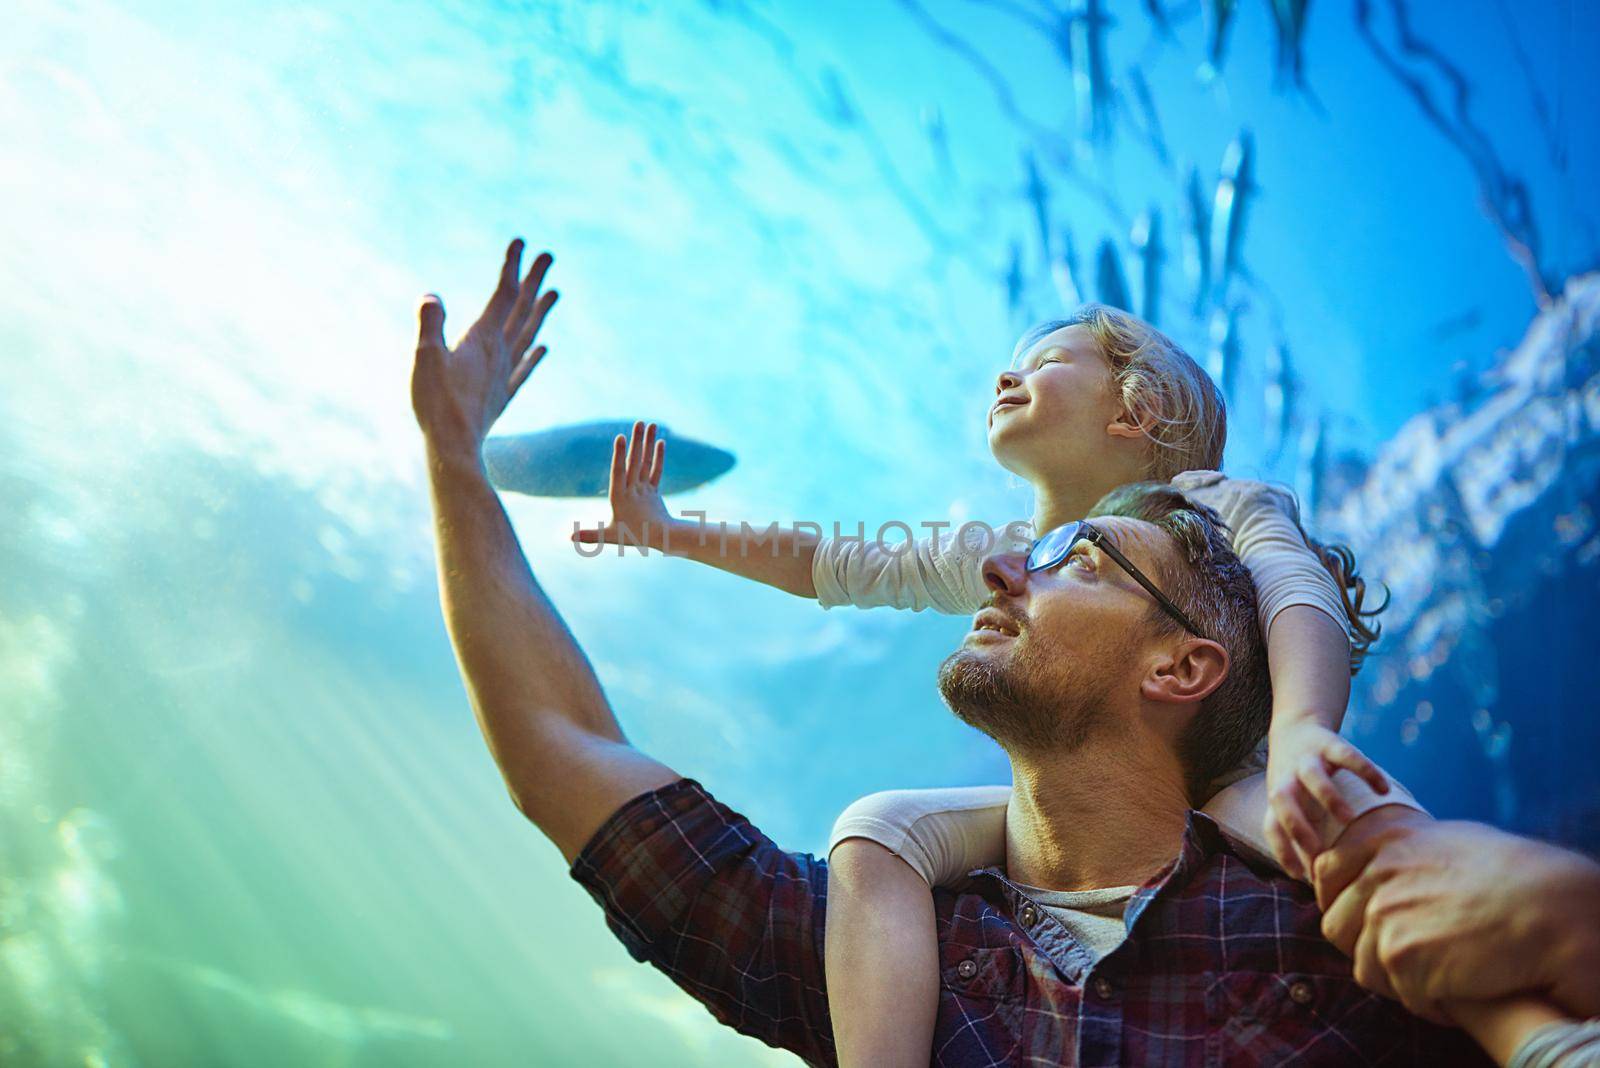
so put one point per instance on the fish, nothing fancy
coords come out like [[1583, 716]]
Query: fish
[[1111, 288], [1219, 21], [1158, 15], [1197, 240], [1289, 19], [1311, 477], [1223, 359], [939, 140], [1039, 197], [1064, 272], [1280, 399], [1014, 279], [575, 460], [1234, 191], [1146, 237], [837, 106], [1091, 76], [1152, 121]]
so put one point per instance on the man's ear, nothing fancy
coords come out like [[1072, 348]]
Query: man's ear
[[1188, 674], [1126, 425]]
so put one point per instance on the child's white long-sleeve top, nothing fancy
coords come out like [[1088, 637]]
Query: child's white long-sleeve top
[[946, 572], [944, 833]]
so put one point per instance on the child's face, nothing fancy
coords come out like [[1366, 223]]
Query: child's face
[[1051, 410]]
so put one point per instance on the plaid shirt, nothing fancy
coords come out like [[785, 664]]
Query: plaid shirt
[[1224, 963]]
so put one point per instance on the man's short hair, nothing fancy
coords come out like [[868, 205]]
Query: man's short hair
[[1212, 585]]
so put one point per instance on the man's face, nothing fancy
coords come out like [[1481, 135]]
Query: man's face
[[1055, 656]]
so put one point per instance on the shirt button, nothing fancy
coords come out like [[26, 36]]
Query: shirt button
[[1029, 915], [1102, 988], [1300, 993], [967, 969]]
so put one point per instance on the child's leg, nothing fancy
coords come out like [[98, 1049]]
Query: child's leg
[[882, 958], [881, 943]]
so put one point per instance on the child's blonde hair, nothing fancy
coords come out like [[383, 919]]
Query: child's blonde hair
[[1184, 416], [1175, 401]]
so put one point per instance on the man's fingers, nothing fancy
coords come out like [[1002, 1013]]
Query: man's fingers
[[1368, 967], [526, 292], [505, 293], [531, 323], [430, 320], [1314, 777], [659, 462], [520, 373]]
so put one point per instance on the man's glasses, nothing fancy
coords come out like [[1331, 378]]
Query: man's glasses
[[1057, 544]]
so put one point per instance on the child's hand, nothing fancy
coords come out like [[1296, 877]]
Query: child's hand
[[638, 514], [1301, 760]]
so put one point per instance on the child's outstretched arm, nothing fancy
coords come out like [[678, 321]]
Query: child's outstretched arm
[[639, 517], [942, 572]]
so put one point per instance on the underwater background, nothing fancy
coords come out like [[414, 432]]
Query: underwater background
[[245, 815]]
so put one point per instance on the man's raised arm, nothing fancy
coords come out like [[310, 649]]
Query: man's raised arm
[[541, 709]]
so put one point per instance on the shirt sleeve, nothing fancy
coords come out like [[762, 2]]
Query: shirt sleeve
[[691, 888], [1571, 1044], [1267, 536], [943, 572]]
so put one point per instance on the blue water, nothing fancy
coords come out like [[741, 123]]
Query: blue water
[[245, 812]]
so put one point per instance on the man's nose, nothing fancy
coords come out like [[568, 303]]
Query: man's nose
[[1006, 573], [1008, 380]]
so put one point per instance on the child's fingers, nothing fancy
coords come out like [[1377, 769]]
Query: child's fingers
[[659, 463], [1314, 777], [619, 467], [606, 535], [1282, 848], [1345, 755], [1290, 803], [635, 451]]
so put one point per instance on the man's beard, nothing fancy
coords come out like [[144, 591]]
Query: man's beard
[[1016, 704]]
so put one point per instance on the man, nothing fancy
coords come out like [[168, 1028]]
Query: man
[[1115, 676]]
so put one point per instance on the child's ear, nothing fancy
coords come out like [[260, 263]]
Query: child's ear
[[1126, 425]]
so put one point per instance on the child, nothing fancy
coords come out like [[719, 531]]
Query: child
[[1091, 403]]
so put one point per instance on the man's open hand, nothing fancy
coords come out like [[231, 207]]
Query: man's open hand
[[458, 393]]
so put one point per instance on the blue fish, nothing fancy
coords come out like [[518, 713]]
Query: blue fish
[[1279, 400], [1197, 240], [1289, 19], [1091, 71], [575, 460], [1014, 279], [1039, 197], [1111, 288], [1152, 121], [1064, 272], [1219, 21], [1158, 15], [1223, 361], [1147, 241], [1234, 192]]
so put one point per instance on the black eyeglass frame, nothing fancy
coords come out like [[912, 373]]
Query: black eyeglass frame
[[1085, 531]]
